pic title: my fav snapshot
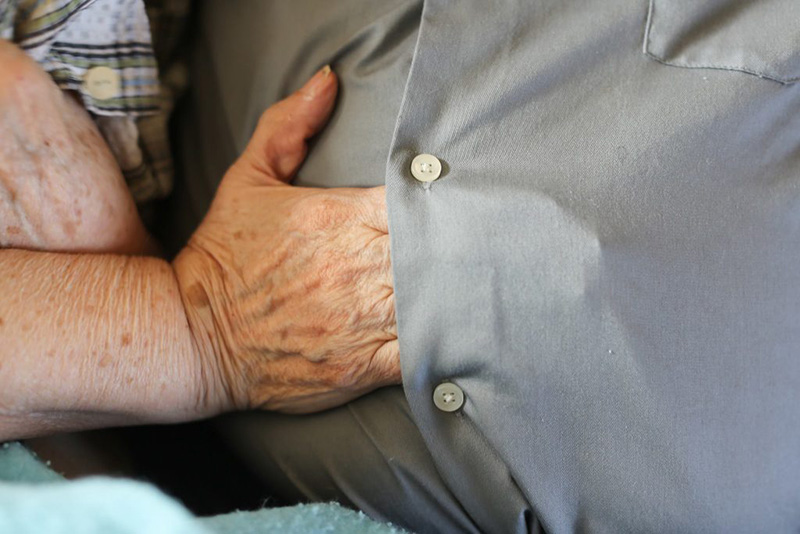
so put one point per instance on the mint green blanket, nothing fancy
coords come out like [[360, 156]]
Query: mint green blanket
[[36, 500]]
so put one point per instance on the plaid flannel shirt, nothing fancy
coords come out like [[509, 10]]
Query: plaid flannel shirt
[[74, 40]]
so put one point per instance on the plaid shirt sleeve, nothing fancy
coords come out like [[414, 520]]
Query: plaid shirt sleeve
[[76, 41]]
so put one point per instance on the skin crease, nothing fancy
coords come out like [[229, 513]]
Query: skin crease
[[92, 340], [282, 299]]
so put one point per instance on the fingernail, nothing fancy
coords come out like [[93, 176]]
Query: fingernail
[[317, 82]]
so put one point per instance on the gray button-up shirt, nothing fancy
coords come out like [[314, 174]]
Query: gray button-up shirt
[[608, 266]]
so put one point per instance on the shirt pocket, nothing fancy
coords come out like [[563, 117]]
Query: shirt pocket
[[758, 37]]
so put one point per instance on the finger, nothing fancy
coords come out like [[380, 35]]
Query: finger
[[385, 364], [373, 209], [278, 145]]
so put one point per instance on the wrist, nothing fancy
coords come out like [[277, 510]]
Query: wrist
[[199, 283]]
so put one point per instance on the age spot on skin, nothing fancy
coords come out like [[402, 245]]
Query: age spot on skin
[[13, 230], [126, 340], [197, 296], [69, 228], [104, 361]]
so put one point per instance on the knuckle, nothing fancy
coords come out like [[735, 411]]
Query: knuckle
[[269, 117], [320, 212], [276, 135], [266, 116], [346, 376]]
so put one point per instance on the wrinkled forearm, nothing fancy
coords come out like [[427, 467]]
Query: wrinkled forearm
[[94, 340]]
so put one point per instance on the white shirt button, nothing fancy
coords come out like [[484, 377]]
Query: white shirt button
[[426, 168], [102, 83], [448, 397]]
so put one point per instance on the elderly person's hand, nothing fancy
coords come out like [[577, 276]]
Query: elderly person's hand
[[288, 290], [282, 300]]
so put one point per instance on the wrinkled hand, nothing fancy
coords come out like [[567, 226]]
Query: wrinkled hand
[[288, 290]]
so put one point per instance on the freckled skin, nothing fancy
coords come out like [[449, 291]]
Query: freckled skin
[[69, 229], [294, 317], [60, 186], [74, 377], [302, 307]]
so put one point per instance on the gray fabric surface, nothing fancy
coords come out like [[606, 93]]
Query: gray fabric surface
[[710, 35], [368, 455], [607, 268]]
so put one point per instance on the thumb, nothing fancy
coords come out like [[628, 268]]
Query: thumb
[[278, 145]]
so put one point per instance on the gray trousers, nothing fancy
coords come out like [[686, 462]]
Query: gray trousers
[[368, 454]]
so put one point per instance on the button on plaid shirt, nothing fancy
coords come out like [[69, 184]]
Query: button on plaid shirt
[[69, 38]]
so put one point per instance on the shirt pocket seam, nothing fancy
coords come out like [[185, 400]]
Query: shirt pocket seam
[[731, 68]]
